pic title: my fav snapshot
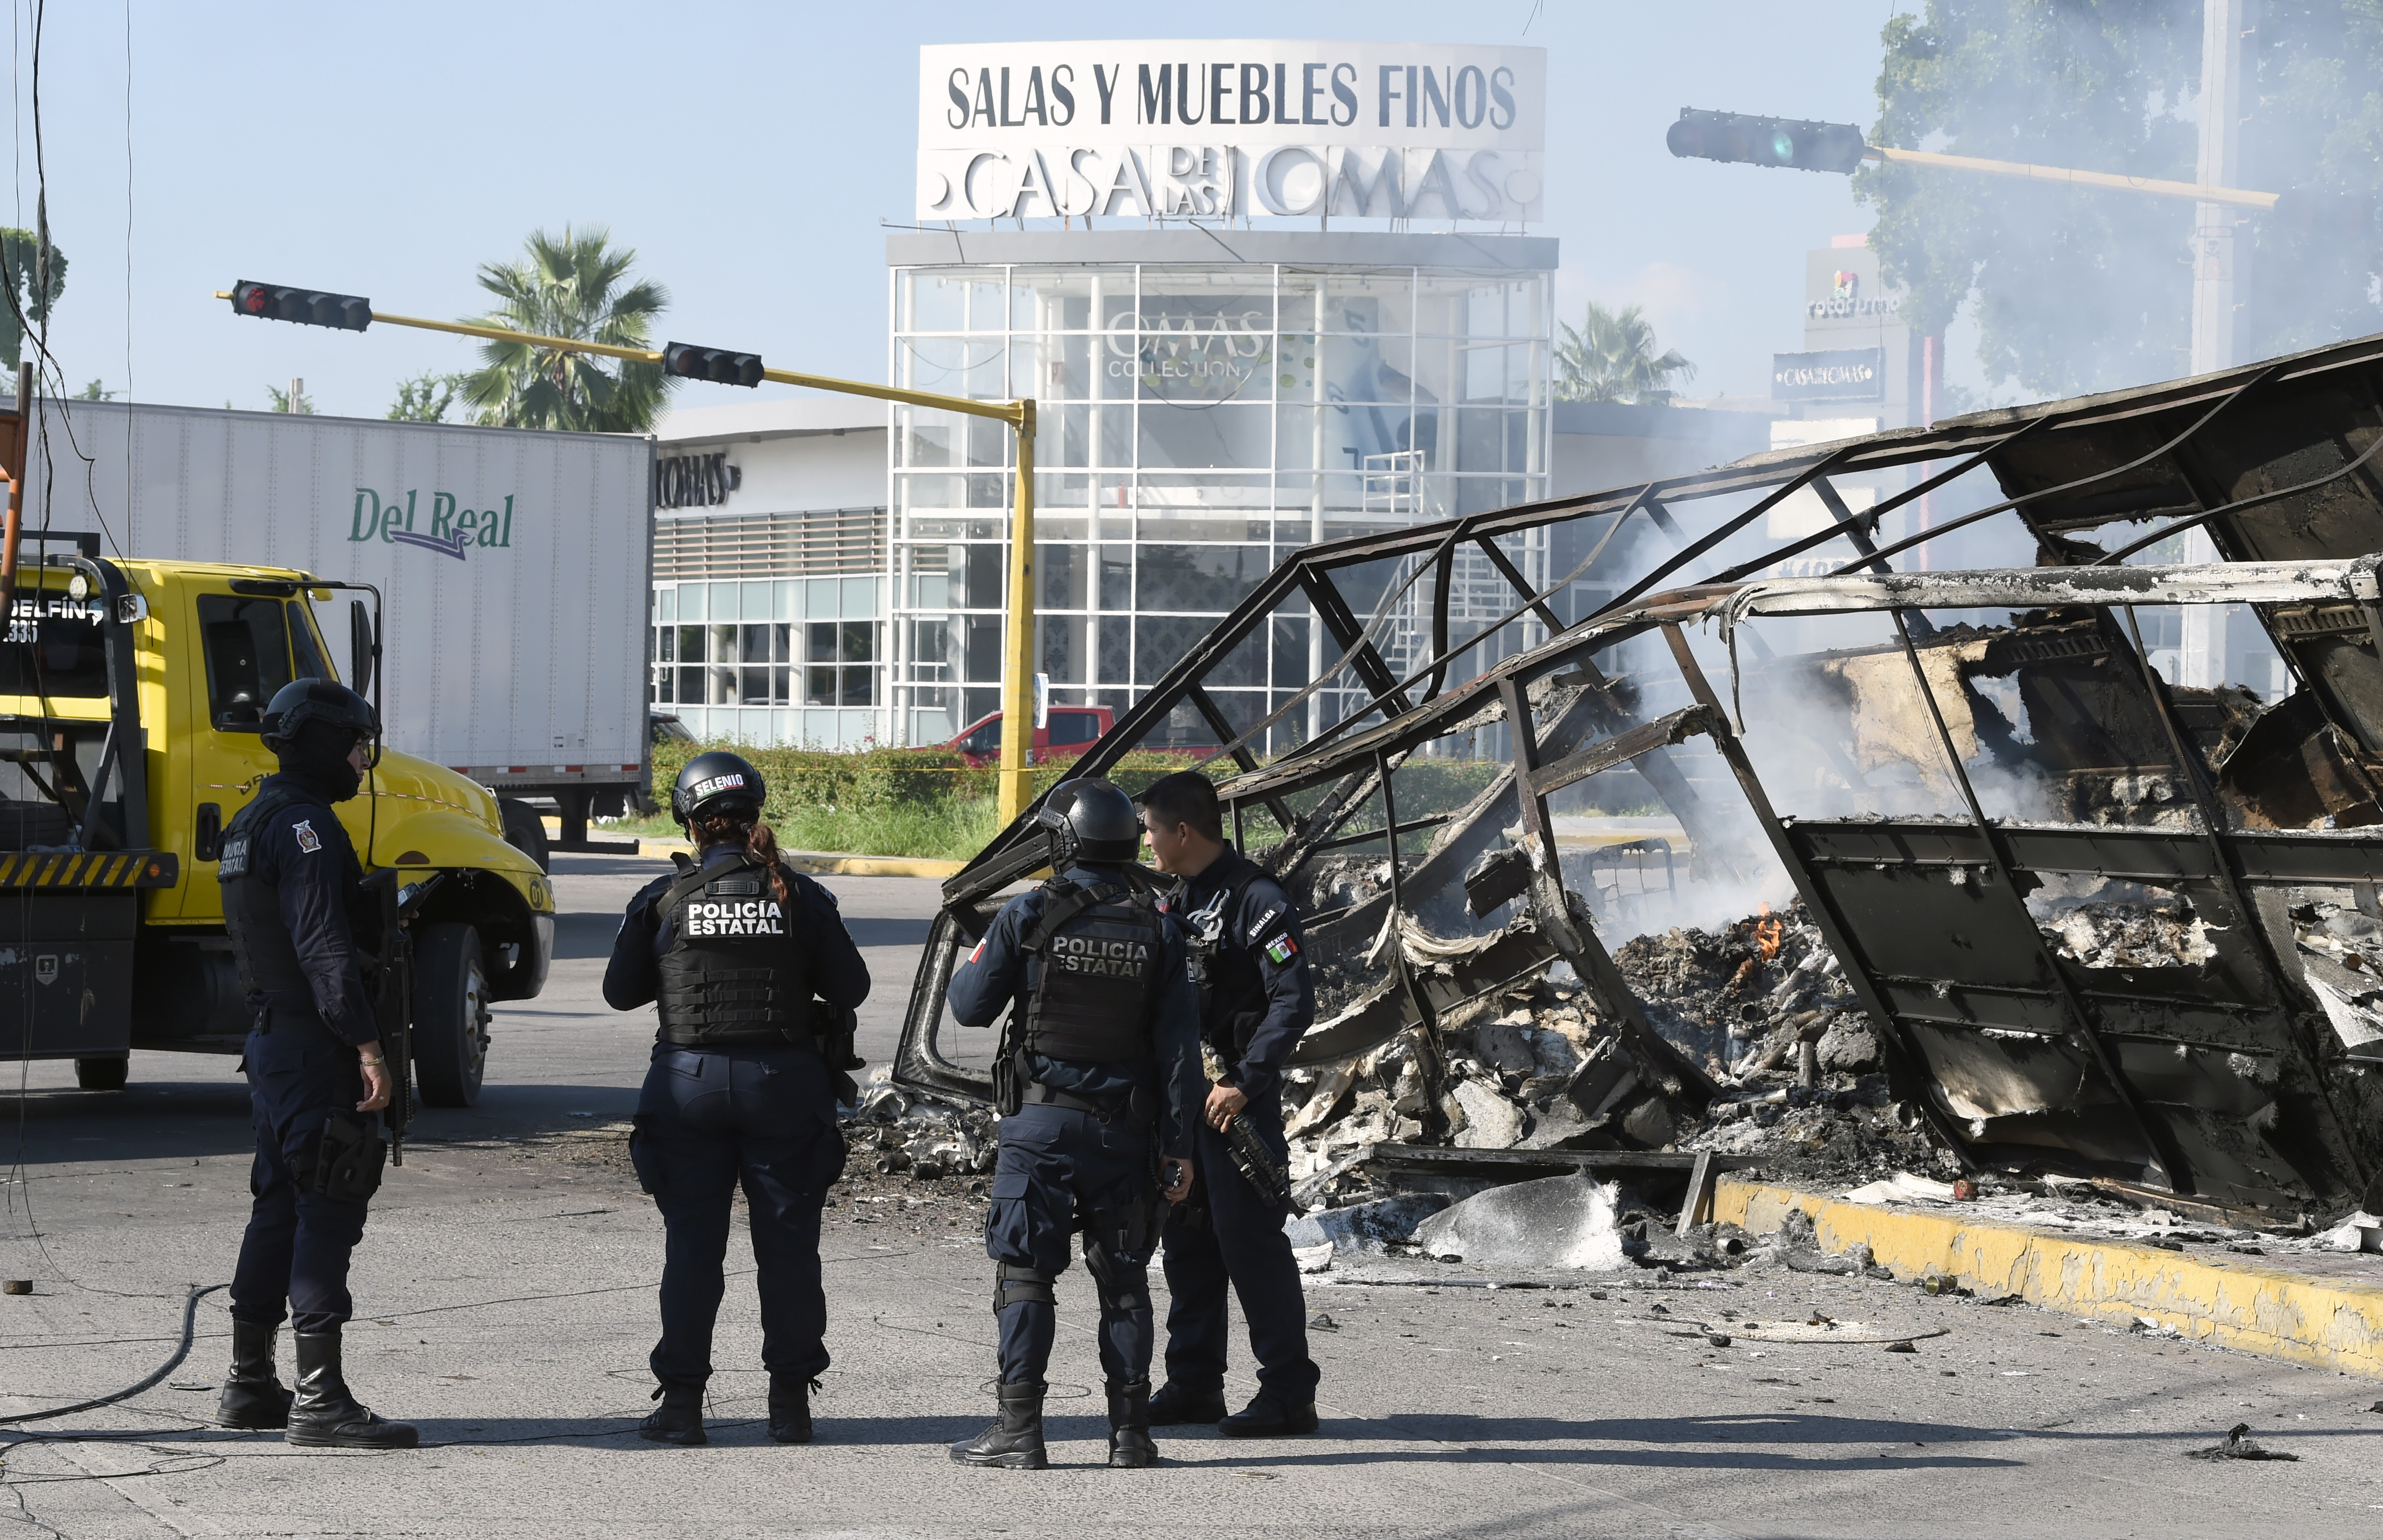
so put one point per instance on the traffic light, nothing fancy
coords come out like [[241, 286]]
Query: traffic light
[[306, 306], [1799, 146], [716, 364]]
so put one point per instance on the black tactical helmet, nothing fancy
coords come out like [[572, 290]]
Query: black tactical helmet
[[717, 783], [306, 700], [1092, 821]]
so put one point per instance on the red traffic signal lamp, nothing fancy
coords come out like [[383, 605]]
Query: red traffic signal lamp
[[306, 306], [717, 364], [1791, 143]]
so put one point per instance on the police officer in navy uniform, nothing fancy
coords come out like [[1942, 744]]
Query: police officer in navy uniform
[[1255, 1001], [294, 905], [1099, 1068], [748, 1068]]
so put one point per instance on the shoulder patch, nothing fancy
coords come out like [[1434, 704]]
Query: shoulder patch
[[1281, 949], [1266, 921], [307, 839], [979, 952]]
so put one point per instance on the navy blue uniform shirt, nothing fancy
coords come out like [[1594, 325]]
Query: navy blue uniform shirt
[[305, 850], [1001, 973], [1263, 927], [837, 975]]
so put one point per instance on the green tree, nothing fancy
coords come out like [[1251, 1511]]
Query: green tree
[[96, 391], [20, 256], [577, 285], [1613, 356], [427, 398], [2086, 288], [293, 400]]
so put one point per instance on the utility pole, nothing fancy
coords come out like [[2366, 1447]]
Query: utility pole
[[2216, 327]]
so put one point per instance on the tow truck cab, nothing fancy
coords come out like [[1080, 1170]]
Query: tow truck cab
[[131, 702]]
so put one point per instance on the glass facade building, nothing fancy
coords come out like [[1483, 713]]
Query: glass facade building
[[1208, 402], [786, 660]]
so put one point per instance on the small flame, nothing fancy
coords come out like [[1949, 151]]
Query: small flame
[[1769, 933]]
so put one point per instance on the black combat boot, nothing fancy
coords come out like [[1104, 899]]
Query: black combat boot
[[679, 1418], [253, 1394], [1266, 1417], [1014, 1441], [790, 1409], [1178, 1402], [1130, 1444], [325, 1414]]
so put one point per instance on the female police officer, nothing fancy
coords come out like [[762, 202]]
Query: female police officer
[[733, 946]]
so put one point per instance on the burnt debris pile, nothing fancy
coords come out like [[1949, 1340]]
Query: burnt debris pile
[[1793, 1065]]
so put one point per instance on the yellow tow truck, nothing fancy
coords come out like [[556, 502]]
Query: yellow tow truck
[[131, 693]]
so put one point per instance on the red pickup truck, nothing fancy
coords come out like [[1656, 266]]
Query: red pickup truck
[[1073, 730]]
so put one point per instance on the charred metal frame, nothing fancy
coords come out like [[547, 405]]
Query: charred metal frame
[[2215, 452]]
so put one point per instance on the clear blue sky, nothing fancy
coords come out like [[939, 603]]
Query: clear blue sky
[[747, 153]]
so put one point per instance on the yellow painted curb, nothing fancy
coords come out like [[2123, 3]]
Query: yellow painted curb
[[2245, 1302], [815, 861], [871, 866]]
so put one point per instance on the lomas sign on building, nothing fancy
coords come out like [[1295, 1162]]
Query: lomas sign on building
[[1210, 128]]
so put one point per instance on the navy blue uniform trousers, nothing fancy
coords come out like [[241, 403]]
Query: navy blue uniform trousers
[[294, 1258], [709, 1120], [1242, 1242], [1059, 1168]]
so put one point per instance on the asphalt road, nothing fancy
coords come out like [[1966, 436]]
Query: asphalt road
[[506, 1282]]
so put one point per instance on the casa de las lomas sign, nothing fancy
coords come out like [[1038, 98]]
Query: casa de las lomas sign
[[1207, 128]]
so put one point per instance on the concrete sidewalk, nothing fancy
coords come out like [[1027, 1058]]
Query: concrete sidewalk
[[507, 1289]]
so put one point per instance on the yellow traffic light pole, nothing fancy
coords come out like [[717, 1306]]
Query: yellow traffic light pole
[[2236, 197], [1018, 671]]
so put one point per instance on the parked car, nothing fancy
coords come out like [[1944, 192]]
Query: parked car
[[1073, 730], [665, 727]]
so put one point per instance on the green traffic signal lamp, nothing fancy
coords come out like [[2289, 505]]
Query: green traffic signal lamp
[[1795, 143], [308, 307]]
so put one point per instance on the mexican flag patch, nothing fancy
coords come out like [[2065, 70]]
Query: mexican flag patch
[[1281, 949]]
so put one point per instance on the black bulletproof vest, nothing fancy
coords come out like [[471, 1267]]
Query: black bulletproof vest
[[267, 959], [1232, 991], [734, 972], [1101, 950]]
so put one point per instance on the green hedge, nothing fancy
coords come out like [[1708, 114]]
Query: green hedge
[[927, 803]]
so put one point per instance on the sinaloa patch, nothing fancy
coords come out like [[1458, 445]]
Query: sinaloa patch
[[307, 839]]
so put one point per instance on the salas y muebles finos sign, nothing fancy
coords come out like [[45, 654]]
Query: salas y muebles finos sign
[[1195, 128]]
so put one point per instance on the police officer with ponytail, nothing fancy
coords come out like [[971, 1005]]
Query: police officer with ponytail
[[1096, 1081], [756, 980]]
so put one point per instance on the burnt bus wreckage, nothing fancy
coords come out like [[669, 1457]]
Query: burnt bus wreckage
[[2104, 924]]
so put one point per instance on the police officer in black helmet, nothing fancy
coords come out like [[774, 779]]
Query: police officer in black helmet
[[295, 907], [756, 980], [1100, 1066]]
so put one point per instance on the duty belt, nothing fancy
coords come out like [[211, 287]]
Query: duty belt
[[1105, 1108]]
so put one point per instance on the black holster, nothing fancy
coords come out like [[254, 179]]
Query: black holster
[[348, 1158]]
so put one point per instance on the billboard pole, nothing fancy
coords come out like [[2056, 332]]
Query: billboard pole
[[1017, 675]]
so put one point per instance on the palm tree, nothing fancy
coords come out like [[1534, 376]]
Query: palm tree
[[1611, 358], [575, 285]]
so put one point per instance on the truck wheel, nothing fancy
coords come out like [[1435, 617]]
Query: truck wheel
[[526, 832], [102, 1074], [451, 1016]]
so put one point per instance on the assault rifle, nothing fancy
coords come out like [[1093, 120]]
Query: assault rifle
[[392, 987], [1257, 1166]]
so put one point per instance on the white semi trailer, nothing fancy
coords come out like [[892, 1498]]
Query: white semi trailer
[[514, 567]]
